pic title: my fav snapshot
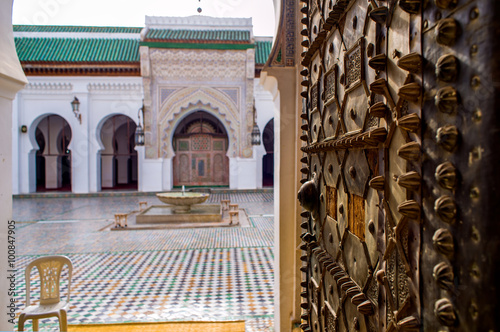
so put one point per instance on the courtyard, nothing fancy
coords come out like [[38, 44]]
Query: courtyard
[[190, 274]]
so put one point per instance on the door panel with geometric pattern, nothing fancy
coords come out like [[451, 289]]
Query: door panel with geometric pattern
[[200, 160], [384, 128]]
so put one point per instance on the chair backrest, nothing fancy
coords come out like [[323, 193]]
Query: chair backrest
[[49, 268]]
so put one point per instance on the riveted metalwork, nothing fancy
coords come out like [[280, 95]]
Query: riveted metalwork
[[411, 62], [447, 100], [447, 137], [446, 209], [447, 31], [445, 312], [447, 68], [446, 175], [405, 130], [443, 274]]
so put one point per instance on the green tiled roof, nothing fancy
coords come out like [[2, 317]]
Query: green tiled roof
[[262, 50], [48, 49], [198, 35], [77, 50], [67, 28]]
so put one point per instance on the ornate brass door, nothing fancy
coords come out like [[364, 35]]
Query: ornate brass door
[[399, 228]]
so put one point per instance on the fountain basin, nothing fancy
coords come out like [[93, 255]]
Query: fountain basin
[[165, 214], [183, 208], [181, 201]]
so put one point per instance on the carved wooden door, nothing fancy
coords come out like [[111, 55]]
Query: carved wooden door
[[200, 160], [398, 227]]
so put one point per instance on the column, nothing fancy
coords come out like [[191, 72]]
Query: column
[[53, 176], [122, 169], [107, 172]]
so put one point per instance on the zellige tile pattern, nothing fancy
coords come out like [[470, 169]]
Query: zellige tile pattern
[[154, 275]]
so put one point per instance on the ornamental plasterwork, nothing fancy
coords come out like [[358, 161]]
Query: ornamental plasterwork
[[250, 63], [48, 87], [146, 85], [167, 129], [212, 65], [194, 94], [145, 65], [226, 111], [114, 87], [233, 94], [165, 93], [148, 119], [246, 130]]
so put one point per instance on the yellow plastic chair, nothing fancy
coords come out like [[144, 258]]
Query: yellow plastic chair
[[49, 268]]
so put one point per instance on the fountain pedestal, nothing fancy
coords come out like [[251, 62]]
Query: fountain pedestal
[[183, 207]]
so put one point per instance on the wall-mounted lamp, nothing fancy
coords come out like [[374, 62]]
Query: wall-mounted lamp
[[139, 131], [75, 105], [24, 129], [255, 130]]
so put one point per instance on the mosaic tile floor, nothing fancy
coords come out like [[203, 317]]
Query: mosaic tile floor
[[160, 275]]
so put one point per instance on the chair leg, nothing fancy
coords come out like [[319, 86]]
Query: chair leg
[[20, 323], [35, 324], [63, 321]]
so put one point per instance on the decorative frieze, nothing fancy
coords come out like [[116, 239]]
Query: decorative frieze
[[114, 87], [210, 65], [48, 87]]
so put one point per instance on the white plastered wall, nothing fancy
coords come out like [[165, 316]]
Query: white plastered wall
[[266, 108], [100, 98], [12, 79]]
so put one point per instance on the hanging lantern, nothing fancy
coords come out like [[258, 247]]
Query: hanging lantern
[[255, 135], [255, 130], [139, 132], [139, 136]]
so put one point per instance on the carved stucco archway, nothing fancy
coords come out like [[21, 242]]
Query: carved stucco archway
[[185, 101]]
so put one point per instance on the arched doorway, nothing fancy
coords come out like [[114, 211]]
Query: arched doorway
[[268, 159], [53, 158], [119, 158], [200, 143]]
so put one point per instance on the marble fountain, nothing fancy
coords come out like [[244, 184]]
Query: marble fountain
[[181, 207]]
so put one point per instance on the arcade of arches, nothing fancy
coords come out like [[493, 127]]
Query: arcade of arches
[[200, 143], [53, 158], [118, 158]]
